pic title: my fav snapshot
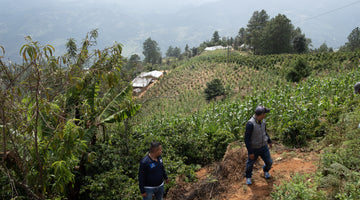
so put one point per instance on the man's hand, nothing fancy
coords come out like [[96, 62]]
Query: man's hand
[[144, 194], [270, 145], [251, 156], [167, 181]]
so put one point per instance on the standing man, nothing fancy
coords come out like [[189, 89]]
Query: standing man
[[152, 174], [257, 140]]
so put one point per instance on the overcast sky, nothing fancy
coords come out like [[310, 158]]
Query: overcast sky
[[169, 22]]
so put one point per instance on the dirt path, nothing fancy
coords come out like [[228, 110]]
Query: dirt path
[[282, 170], [231, 183]]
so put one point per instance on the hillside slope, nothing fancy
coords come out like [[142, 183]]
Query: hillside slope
[[181, 91], [225, 180], [319, 112]]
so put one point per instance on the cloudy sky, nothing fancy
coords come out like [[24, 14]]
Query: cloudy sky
[[169, 22]]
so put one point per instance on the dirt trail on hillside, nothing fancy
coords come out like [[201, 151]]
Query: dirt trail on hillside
[[225, 180]]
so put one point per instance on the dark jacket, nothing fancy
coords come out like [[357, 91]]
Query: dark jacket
[[151, 173]]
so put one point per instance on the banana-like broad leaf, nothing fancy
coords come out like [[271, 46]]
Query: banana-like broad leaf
[[112, 105], [122, 115]]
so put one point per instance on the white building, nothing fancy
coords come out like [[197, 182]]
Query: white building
[[141, 82]]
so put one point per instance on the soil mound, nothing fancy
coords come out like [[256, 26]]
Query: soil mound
[[225, 180], [218, 176]]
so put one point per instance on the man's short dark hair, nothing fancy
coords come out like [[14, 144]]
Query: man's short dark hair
[[154, 145], [260, 110]]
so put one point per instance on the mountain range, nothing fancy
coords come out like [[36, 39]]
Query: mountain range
[[167, 22]]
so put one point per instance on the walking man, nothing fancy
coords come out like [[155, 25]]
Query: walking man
[[152, 174], [257, 140]]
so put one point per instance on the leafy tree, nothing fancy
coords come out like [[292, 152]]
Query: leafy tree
[[56, 116], [134, 58], [186, 48], [187, 51], [71, 48], [299, 43], [255, 28], [213, 89], [240, 38], [298, 70], [354, 40], [276, 37], [323, 48], [133, 65], [215, 38], [194, 51], [151, 52], [176, 52], [169, 52]]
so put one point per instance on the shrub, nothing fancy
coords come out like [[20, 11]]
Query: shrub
[[294, 134], [214, 88], [298, 70], [298, 188], [220, 140], [333, 115]]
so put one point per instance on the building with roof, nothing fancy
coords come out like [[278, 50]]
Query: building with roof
[[142, 82]]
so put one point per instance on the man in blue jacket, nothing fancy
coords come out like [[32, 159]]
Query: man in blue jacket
[[152, 174], [257, 140]]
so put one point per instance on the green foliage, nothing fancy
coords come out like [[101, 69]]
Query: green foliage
[[255, 29], [220, 140], [215, 38], [276, 36], [57, 114], [351, 191], [301, 187], [298, 70], [340, 165], [294, 134], [151, 52], [354, 40], [213, 89], [299, 44]]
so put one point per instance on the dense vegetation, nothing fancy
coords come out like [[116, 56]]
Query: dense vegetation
[[72, 130]]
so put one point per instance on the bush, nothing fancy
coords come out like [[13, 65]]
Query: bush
[[294, 134], [333, 115], [298, 70], [214, 88], [297, 189], [220, 140]]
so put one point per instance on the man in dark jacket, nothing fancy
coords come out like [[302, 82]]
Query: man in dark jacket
[[257, 140], [152, 174]]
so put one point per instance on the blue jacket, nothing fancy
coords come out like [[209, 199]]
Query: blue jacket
[[151, 173]]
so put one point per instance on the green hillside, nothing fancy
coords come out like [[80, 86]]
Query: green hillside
[[311, 113], [77, 132]]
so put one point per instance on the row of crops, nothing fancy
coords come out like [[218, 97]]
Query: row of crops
[[195, 132], [299, 113], [181, 90]]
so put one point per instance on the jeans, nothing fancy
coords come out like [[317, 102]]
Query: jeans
[[264, 153], [158, 191]]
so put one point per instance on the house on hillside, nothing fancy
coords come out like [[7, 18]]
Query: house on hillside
[[216, 48], [142, 82]]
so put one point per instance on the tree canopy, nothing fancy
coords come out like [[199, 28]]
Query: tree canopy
[[255, 29], [354, 40], [151, 51], [276, 36]]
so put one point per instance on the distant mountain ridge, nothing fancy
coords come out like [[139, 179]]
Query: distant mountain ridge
[[53, 23]]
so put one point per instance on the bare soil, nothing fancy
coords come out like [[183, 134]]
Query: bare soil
[[225, 180]]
